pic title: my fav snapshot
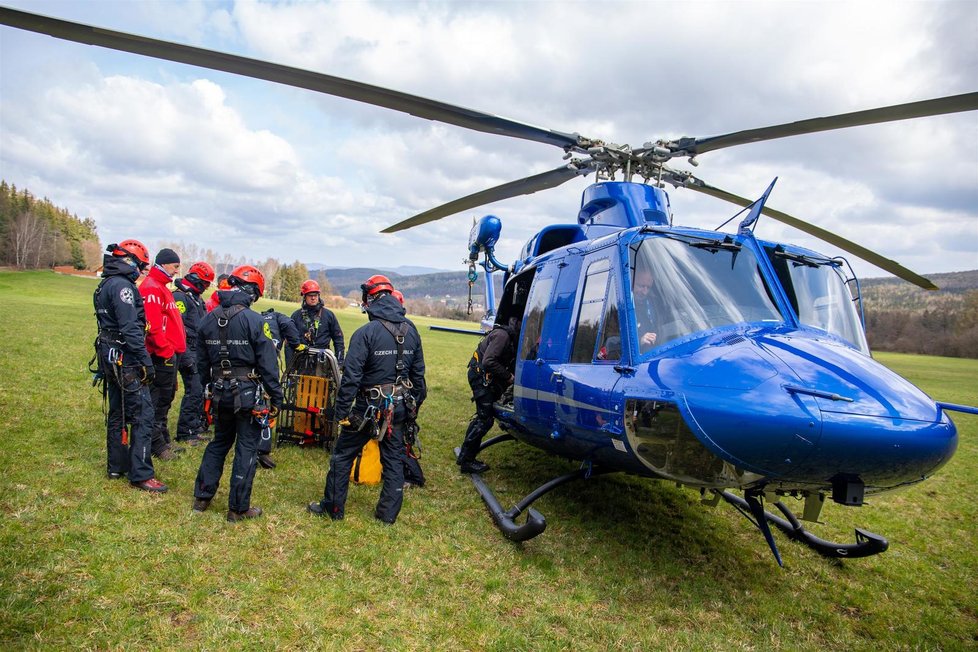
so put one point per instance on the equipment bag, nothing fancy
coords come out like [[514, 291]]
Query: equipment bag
[[366, 467]]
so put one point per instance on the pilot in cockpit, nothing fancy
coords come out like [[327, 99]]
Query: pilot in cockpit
[[642, 288]]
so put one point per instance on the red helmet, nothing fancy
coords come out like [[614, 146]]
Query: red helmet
[[131, 248], [248, 274], [203, 271], [222, 282], [397, 295], [375, 285], [308, 287]]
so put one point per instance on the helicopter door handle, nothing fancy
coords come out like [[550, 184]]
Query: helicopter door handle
[[557, 377]]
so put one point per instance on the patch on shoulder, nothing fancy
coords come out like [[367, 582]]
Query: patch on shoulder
[[181, 307], [126, 295], [268, 331]]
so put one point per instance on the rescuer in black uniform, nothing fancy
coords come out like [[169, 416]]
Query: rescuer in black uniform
[[490, 374], [316, 323], [237, 358], [191, 307], [384, 370], [125, 366], [283, 330]]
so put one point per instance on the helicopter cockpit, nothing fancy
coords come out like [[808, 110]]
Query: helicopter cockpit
[[684, 285]]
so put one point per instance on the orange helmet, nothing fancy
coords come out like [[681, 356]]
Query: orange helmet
[[397, 295], [248, 274], [308, 287], [374, 286], [222, 282], [203, 271], [133, 248]]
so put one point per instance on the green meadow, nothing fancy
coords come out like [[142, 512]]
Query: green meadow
[[625, 563]]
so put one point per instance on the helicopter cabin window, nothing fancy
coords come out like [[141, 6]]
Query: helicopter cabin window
[[535, 312], [682, 286], [591, 311], [819, 295]]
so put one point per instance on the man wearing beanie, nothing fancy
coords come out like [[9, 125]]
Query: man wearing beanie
[[165, 339]]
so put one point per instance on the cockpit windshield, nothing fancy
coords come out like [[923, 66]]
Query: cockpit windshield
[[682, 286], [819, 295]]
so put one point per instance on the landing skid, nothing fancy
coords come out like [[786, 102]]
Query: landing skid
[[535, 522], [866, 545]]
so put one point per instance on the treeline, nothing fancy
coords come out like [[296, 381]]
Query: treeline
[[35, 233], [950, 330], [282, 280]]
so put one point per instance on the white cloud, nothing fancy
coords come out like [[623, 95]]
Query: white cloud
[[267, 170]]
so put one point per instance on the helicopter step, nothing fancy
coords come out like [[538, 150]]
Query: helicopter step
[[866, 545], [535, 522]]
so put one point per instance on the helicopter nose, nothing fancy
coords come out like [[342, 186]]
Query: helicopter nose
[[875, 424], [801, 410]]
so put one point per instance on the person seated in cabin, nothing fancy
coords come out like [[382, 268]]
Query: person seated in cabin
[[642, 293]]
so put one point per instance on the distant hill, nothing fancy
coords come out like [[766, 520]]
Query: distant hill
[[417, 286], [895, 294], [403, 270]]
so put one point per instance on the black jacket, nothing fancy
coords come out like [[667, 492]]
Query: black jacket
[[120, 313], [372, 357], [249, 347], [317, 326], [283, 329], [191, 308], [496, 355]]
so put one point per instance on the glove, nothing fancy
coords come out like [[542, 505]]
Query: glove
[[352, 422], [149, 374]]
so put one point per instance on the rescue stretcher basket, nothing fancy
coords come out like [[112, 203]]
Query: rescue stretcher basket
[[310, 383]]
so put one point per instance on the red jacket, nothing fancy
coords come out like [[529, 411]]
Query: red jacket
[[213, 302], [165, 335]]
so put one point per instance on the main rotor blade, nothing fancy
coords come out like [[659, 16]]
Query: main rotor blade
[[375, 95], [939, 106], [524, 186], [880, 261]]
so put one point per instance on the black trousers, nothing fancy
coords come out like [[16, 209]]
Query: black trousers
[[130, 407], [192, 404], [237, 429], [348, 446], [162, 391], [481, 423]]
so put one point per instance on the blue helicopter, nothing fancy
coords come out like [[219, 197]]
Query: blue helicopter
[[719, 361]]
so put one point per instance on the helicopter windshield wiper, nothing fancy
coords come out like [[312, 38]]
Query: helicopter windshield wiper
[[714, 246], [801, 259], [699, 242]]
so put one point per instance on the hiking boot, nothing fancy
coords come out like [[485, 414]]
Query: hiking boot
[[234, 517], [473, 466], [200, 505], [189, 440], [266, 461], [318, 509], [115, 475], [167, 454], [152, 485]]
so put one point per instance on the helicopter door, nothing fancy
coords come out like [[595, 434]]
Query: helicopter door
[[585, 385], [543, 340]]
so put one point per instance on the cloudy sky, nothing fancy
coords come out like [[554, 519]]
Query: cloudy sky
[[168, 152]]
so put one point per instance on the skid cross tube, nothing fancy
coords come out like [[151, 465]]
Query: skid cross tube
[[866, 545]]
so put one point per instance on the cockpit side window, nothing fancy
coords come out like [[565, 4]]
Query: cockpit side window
[[535, 312], [591, 311]]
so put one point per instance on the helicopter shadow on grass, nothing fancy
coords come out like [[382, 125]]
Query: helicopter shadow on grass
[[629, 526]]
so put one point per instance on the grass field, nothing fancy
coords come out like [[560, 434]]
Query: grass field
[[624, 564]]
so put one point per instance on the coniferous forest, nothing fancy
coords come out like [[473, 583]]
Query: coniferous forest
[[899, 317]]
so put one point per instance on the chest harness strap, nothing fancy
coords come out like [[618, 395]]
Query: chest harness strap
[[226, 372]]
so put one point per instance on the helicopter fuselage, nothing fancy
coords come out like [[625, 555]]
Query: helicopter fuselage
[[759, 375]]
